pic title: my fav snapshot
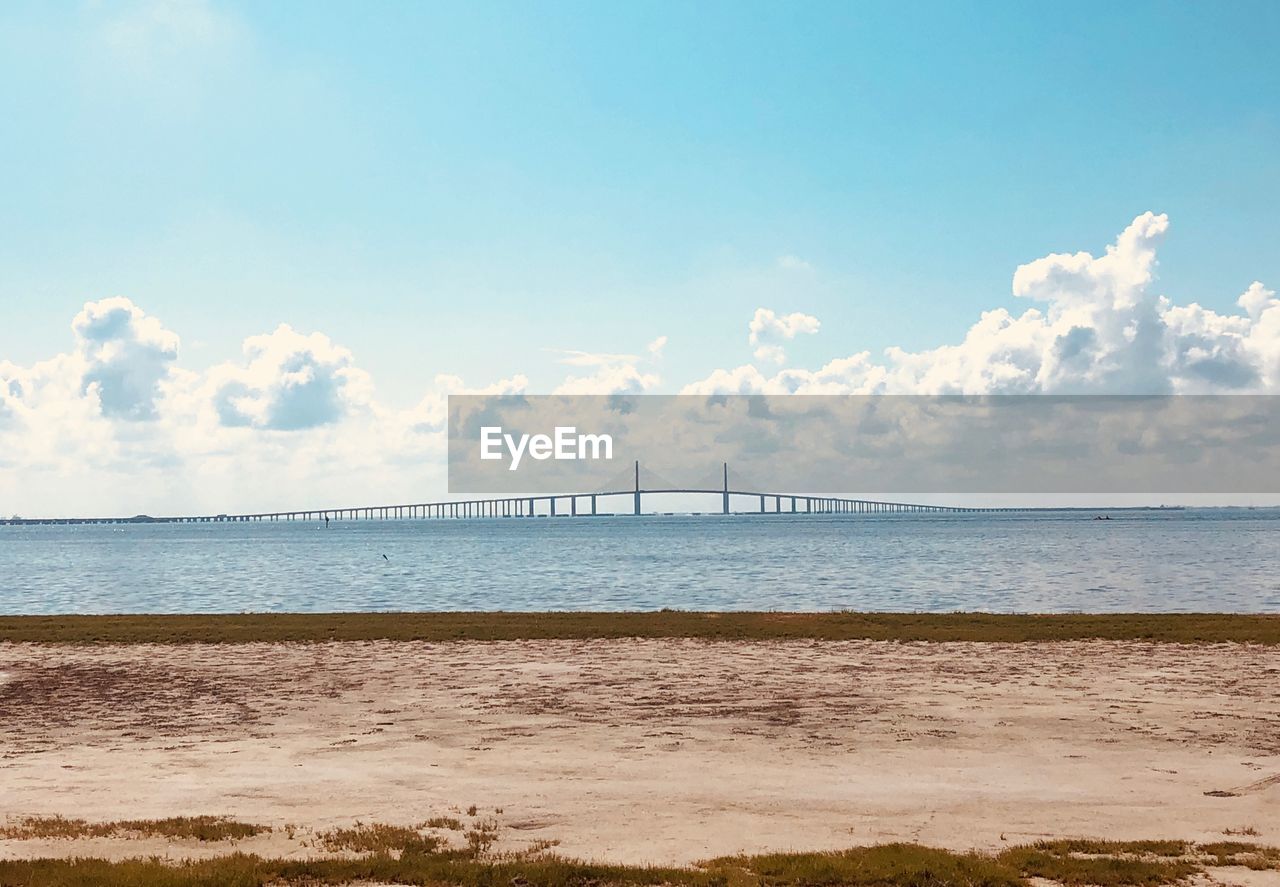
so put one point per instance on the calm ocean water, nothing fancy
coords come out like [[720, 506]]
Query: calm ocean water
[[1171, 561]]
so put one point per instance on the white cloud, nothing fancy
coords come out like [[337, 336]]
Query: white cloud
[[591, 358], [296, 418], [115, 424], [289, 381], [431, 413], [125, 356], [614, 373], [1256, 300], [768, 330], [745, 379], [10, 392], [1104, 329], [625, 378]]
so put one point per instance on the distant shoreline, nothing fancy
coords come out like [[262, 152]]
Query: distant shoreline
[[1189, 628]]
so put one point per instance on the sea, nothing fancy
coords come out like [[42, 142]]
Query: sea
[[1156, 561]]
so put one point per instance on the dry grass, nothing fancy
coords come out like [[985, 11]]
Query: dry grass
[[1106, 864], [481, 836], [308, 627], [1091, 847], [199, 828], [1238, 853], [397, 855], [891, 865], [452, 823], [377, 838]]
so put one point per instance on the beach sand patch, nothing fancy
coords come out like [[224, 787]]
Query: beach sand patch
[[719, 747]]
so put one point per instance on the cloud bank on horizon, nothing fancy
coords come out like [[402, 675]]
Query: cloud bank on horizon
[[1103, 330], [117, 419]]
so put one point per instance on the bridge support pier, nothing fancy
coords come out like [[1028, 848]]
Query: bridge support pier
[[516, 507]]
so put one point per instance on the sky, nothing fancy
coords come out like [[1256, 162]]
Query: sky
[[246, 249]]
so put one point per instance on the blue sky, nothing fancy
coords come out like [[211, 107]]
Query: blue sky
[[247, 249], [455, 188]]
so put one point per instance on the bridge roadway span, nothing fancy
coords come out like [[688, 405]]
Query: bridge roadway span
[[528, 506]]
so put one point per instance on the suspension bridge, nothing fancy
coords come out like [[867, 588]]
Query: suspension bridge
[[585, 504]]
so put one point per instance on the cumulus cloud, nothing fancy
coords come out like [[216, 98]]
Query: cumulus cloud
[[289, 381], [1103, 329], [624, 378], [125, 356], [431, 413], [10, 389], [768, 331], [115, 423]]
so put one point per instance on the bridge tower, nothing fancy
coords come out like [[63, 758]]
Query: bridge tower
[[637, 509], [724, 504]]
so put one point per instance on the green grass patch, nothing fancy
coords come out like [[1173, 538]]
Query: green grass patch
[[1239, 853], [1100, 871], [892, 865], [452, 823], [1196, 628], [199, 828], [415, 861], [1090, 847], [241, 870], [377, 838]]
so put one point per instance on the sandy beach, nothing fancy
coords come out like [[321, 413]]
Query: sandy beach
[[663, 751]]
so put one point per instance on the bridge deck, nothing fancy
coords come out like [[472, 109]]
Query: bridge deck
[[578, 505]]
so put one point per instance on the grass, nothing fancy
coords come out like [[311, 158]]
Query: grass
[[481, 836], [446, 822], [1119, 866], [1191, 628], [241, 870], [1091, 847], [400, 855], [891, 865], [1238, 853], [199, 828], [378, 838]]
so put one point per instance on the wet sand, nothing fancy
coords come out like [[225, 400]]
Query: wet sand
[[651, 750]]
